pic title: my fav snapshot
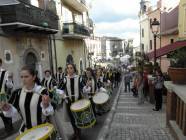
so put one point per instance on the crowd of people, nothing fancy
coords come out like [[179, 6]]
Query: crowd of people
[[140, 86], [37, 100]]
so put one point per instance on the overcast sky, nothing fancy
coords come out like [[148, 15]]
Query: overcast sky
[[117, 18]]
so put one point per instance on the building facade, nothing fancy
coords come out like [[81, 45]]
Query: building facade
[[74, 29], [25, 30], [94, 50]]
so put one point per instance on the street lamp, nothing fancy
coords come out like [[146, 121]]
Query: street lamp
[[155, 29]]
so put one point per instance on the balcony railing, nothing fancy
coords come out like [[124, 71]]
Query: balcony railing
[[22, 16], [74, 30]]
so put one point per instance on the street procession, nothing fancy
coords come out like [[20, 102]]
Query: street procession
[[43, 104], [92, 70]]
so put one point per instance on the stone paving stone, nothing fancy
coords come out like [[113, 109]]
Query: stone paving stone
[[137, 122]]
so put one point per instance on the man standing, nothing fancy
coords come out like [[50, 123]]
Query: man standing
[[7, 121], [127, 79]]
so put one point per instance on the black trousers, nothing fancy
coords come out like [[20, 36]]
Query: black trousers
[[127, 85], [158, 98], [7, 122]]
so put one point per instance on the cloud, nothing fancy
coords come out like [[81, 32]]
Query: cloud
[[119, 18], [114, 10], [118, 27]]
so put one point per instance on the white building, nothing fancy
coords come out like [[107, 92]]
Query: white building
[[94, 49]]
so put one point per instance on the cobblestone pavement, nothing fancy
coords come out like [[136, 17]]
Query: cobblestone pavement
[[137, 122]]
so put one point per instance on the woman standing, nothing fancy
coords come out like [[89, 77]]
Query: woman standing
[[31, 101], [72, 84], [158, 88]]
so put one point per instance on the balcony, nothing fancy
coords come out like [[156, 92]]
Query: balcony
[[74, 30], [79, 5], [27, 18]]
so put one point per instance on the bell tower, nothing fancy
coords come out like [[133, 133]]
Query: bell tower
[[144, 5]]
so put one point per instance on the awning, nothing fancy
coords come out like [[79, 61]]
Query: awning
[[167, 49]]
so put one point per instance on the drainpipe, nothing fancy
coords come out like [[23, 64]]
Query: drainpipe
[[160, 37], [55, 52], [50, 54]]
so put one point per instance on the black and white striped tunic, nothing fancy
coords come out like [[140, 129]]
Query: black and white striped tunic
[[94, 84], [28, 104], [48, 83], [3, 78], [73, 87], [59, 76]]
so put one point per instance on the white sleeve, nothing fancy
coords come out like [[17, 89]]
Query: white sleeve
[[86, 89], [11, 112], [47, 111]]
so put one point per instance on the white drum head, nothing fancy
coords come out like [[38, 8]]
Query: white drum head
[[100, 98], [37, 133], [79, 105]]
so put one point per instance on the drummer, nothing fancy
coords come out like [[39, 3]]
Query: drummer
[[91, 86], [72, 84], [31, 101], [48, 82]]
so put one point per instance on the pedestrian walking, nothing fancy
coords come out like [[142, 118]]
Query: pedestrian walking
[[127, 80], [158, 88]]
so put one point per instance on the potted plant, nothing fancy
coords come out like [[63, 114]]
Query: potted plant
[[177, 69]]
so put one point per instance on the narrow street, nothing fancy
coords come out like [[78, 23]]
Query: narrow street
[[137, 122]]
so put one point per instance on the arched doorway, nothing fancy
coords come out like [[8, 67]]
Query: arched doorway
[[31, 60], [69, 59]]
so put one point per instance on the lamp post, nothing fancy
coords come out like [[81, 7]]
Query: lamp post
[[155, 29]]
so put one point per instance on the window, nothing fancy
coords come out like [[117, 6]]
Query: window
[[67, 15], [184, 20], [142, 32], [142, 47], [150, 44], [172, 41], [42, 55], [150, 23], [8, 56]]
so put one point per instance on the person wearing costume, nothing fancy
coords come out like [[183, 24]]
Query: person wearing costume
[[31, 101]]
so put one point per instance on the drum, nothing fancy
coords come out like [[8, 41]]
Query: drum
[[102, 101], [40, 132], [83, 113]]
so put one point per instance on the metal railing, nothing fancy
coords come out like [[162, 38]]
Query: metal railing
[[28, 14], [74, 28]]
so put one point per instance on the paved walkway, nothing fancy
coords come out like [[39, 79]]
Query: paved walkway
[[137, 122]]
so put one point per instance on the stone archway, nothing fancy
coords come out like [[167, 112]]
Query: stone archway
[[31, 60]]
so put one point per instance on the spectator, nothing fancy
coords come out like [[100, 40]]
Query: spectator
[[158, 88]]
